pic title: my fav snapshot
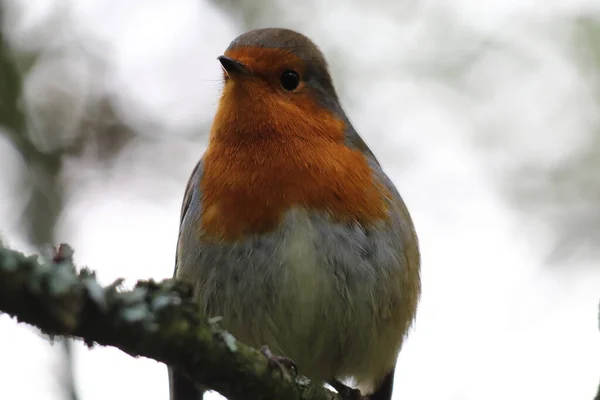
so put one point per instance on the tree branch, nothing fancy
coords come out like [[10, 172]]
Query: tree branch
[[154, 320]]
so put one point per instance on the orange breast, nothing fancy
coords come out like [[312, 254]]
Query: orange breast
[[259, 164]]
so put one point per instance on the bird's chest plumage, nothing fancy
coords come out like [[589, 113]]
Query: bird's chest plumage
[[321, 283], [314, 290], [247, 190]]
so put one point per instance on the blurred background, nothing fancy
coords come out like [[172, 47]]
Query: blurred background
[[485, 114]]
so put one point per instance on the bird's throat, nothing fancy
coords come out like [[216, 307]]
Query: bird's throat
[[258, 167], [248, 190]]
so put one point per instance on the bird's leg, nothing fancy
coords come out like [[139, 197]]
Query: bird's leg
[[346, 392], [285, 365]]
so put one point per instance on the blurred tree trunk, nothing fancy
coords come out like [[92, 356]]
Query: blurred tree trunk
[[45, 201]]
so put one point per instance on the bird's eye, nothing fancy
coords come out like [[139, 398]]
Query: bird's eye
[[289, 80]]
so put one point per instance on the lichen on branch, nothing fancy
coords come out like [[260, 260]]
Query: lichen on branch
[[157, 320]]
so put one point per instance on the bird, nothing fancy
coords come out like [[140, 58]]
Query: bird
[[290, 229]]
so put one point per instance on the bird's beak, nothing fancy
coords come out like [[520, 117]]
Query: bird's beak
[[232, 67]]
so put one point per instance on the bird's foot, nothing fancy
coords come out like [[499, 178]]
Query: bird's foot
[[286, 366], [346, 392]]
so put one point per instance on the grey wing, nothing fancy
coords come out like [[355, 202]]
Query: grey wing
[[181, 388], [406, 248], [190, 207]]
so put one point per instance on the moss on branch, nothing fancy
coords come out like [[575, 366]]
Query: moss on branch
[[155, 320]]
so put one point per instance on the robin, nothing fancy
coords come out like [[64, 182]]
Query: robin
[[290, 229]]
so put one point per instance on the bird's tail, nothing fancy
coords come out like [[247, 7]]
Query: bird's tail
[[181, 388], [384, 391]]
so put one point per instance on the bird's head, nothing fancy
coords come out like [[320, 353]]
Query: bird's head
[[277, 84]]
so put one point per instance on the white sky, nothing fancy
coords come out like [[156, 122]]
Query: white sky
[[494, 323]]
